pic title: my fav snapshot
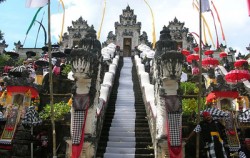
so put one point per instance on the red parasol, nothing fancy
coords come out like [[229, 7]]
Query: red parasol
[[209, 61], [196, 49], [192, 57], [240, 62], [185, 52], [209, 52], [223, 54], [235, 76]]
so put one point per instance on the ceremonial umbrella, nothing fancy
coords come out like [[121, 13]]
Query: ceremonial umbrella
[[223, 54], [185, 52], [196, 49], [58, 54], [209, 61], [209, 52], [235, 76], [31, 119], [192, 57], [12, 54], [30, 54], [42, 62], [240, 62]]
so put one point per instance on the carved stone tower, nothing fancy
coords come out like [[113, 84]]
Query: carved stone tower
[[75, 33], [179, 33], [127, 31]]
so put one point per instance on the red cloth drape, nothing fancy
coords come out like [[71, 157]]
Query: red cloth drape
[[174, 151], [23, 89]]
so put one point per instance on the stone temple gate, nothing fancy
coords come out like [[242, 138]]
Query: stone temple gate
[[127, 33]]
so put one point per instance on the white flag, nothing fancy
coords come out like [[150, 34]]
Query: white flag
[[35, 3], [205, 7]]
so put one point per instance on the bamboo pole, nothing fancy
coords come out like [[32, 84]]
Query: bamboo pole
[[200, 82], [51, 86]]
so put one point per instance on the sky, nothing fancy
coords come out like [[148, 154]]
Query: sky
[[15, 19]]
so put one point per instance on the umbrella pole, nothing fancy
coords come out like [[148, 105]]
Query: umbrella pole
[[51, 86], [31, 145], [200, 80]]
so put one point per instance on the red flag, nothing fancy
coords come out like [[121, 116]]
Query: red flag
[[248, 4]]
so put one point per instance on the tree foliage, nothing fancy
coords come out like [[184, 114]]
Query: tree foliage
[[1, 33], [2, 1], [60, 109], [189, 88]]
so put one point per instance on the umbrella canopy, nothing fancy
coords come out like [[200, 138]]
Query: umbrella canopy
[[12, 54], [240, 62], [235, 76], [30, 53], [58, 54], [223, 54], [31, 117], [108, 52], [42, 62], [143, 47], [147, 53], [112, 45], [185, 52], [209, 52], [192, 57], [209, 61], [196, 49]]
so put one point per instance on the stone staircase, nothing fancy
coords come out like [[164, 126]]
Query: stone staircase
[[125, 133]]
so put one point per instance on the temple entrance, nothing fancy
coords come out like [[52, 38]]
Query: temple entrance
[[127, 47]]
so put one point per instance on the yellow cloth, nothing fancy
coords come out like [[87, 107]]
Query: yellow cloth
[[70, 102], [39, 79], [216, 134]]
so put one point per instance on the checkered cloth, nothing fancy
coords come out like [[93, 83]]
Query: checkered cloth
[[234, 149], [31, 117], [215, 113], [77, 126], [244, 117], [242, 154], [174, 128], [212, 150]]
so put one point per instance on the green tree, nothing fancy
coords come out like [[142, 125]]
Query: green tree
[[1, 33], [60, 109], [2, 1], [4, 59]]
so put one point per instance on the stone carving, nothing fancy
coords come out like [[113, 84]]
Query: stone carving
[[167, 69], [86, 65]]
